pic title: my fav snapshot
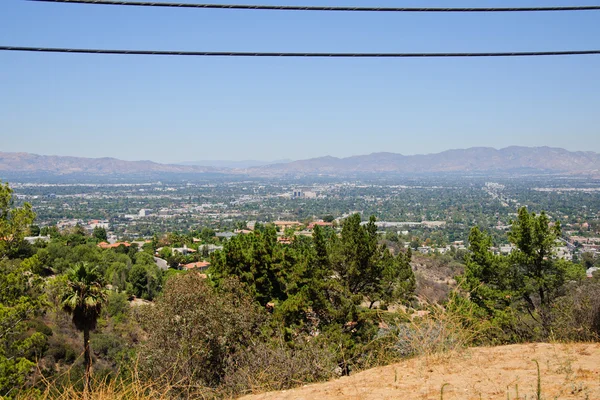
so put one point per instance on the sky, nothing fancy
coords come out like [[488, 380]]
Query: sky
[[174, 109]]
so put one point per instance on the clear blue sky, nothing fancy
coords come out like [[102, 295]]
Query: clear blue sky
[[172, 109]]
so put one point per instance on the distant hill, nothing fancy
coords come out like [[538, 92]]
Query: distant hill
[[26, 163], [514, 160], [234, 164], [477, 159]]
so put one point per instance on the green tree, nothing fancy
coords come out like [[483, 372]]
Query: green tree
[[415, 243], [516, 292], [491, 285], [328, 218], [84, 299], [588, 260], [145, 280], [20, 300], [34, 230], [14, 222], [100, 234], [207, 234], [367, 268], [538, 273], [256, 260], [194, 329]]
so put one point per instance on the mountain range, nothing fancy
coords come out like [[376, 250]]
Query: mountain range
[[234, 164], [64, 165], [544, 160], [475, 159]]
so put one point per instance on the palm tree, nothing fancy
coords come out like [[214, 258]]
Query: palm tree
[[83, 300]]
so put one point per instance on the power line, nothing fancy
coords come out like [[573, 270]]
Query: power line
[[322, 8], [296, 54]]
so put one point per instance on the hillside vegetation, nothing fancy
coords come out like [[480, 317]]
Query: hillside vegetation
[[271, 315]]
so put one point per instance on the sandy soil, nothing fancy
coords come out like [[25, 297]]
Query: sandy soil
[[568, 372]]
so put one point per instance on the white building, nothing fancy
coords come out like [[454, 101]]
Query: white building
[[506, 249], [564, 253]]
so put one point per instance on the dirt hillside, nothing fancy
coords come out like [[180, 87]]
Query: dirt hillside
[[567, 372]]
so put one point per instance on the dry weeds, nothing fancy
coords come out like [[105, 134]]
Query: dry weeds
[[568, 371]]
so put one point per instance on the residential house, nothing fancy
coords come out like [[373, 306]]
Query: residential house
[[318, 223], [33, 239], [284, 240], [105, 245], [200, 266], [283, 225], [183, 250], [225, 235]]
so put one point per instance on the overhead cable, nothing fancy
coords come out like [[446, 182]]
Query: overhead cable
[[296, 54], [323, 8]]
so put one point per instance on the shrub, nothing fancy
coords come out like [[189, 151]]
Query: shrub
[[576, 316], [60, 350], [194, 328], [40, 326], [118, 305], [107, 345], [452, 327], [278, 366]]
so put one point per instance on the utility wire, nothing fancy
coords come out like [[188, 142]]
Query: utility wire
[[294, 54], [322, 8]]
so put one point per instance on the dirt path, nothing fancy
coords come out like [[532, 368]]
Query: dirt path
[[568, 372]]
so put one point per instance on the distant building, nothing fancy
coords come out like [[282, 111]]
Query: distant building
[[200, 266], [318, 223], [433, 224], [183, 250], [304, 233], [564, 253], [95, 223], [300, 194], [141, 243], [210, 248], [33, 239], [284, 240], [225, 235], [424, 249], [69, 223], [287, 224], [145, 212], [105, 245]]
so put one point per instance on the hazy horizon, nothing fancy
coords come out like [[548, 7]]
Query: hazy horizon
[[266, 162]]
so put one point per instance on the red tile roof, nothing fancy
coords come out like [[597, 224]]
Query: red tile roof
[[104, 245], [320, 223], [197, 265]]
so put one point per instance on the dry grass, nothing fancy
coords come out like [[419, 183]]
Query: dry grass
[[119, 389], [126, 386], [440, 331], [568, 371]]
